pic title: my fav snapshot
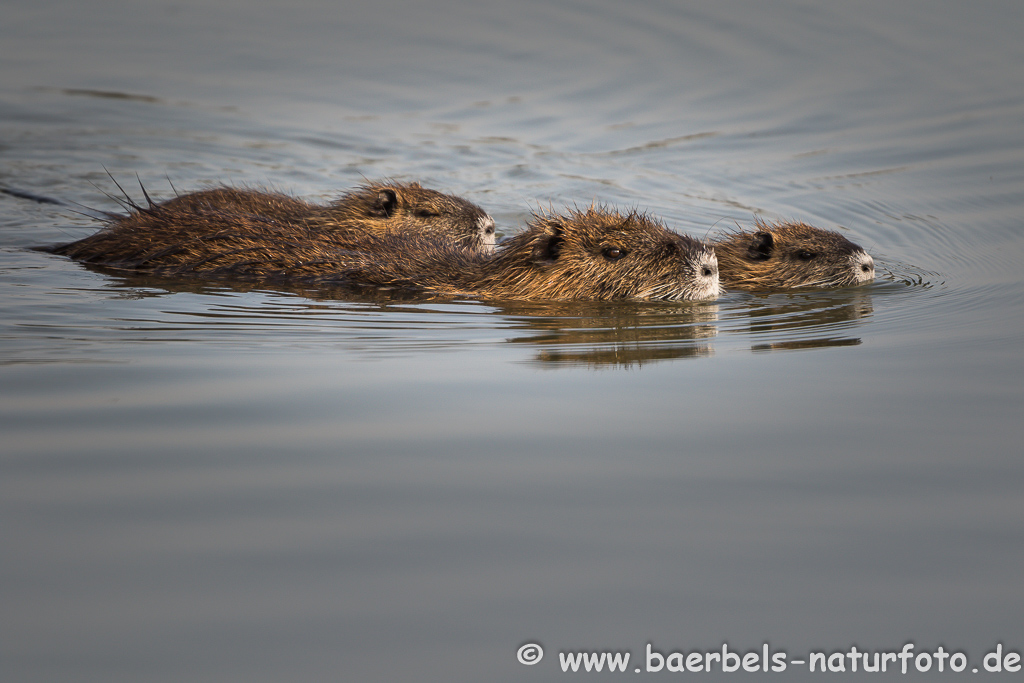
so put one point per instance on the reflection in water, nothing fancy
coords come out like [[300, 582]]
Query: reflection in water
[[610, 334], [796, 321], [580, 333], [588, 334], [804, 344]]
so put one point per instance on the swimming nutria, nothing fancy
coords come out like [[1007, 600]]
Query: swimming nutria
[[789, 255], [206, 223], [597, 255]]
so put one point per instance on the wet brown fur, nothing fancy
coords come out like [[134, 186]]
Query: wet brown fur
[[596, 254], [790, 255], [211, 229], [592, 255]]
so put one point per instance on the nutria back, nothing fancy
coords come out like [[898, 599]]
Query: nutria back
[[211, 227], [790, 255], [240, 200], [597, 255]]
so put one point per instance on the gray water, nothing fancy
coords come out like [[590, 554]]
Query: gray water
[[207, 482]]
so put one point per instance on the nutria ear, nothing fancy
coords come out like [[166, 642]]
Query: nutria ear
[[387, 202], [548, 247], [760, 247]]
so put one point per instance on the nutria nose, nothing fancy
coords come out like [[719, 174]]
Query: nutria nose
[[486, 226], [867, 268], [709, 268]]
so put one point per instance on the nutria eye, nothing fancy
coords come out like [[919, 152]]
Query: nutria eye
[[805, 255], [613, 253], [425, 213]]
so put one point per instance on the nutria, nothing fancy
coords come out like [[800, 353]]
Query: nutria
[[209, 223], [596, 255], [790, 255]]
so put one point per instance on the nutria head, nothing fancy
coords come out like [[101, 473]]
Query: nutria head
[[600, 254], [410, 207], [789, 255]]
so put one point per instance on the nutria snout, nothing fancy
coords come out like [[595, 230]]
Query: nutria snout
[[790, 255], [597, 254], [208, 229]]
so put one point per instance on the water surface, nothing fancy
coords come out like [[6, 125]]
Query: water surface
[[208, 481]]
